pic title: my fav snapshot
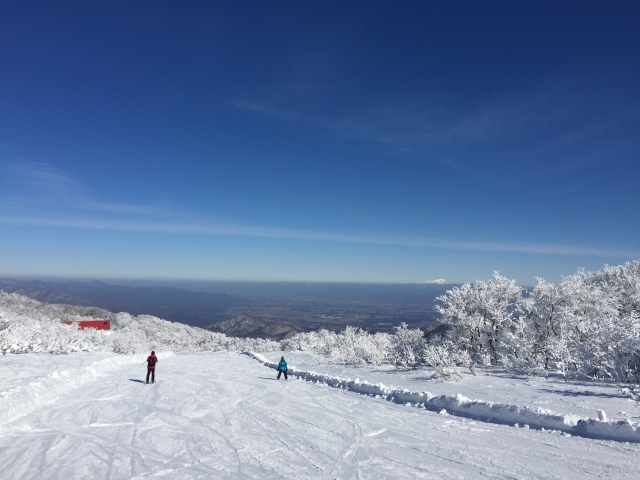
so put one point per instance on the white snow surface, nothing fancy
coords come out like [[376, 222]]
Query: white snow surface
[[89, 415], [579, 398], [536, 417]]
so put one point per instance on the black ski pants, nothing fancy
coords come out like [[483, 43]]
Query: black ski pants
[[151, 371], [281, 372]]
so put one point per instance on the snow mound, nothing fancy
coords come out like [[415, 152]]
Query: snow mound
[[501, 413], [21, 400]]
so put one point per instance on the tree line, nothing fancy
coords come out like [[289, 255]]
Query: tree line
[[587, 325]]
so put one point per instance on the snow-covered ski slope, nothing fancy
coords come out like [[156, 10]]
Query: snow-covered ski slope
[[492, 412], [225, 416]]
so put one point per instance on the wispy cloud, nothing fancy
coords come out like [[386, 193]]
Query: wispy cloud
[[265, 110], [313, 235], [502, 133], [43, 177], [406, 129], [70, 204], [422, 122], [562, 191], [27, 182]]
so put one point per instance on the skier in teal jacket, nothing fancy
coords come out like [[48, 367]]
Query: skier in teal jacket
[[282, 368]]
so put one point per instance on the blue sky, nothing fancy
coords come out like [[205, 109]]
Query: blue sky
[[318, 141]]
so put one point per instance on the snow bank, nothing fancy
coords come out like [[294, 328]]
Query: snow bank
[[623, 431], [22, 399]]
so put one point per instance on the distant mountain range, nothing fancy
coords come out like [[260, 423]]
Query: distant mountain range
[[246, 326], [40, 291], [251, 309], [194, 308]]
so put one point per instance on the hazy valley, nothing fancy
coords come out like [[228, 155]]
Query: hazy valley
[[250, 309]]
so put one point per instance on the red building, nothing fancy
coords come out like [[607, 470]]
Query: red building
[[97, 324]]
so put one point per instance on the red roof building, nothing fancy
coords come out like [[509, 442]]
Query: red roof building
[[95, 324]]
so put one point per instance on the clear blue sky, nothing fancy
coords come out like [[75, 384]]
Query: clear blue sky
[[318, 141]]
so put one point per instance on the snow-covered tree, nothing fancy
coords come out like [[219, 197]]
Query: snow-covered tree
[[589, 324], [486, 319], [408, 345]]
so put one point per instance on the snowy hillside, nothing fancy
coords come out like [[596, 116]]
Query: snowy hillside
[[347, 410], [27, 325], [88, 415]]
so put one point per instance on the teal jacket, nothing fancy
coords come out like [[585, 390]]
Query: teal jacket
[[282, 366]]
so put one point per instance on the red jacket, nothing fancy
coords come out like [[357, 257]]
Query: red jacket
[[155, 361]]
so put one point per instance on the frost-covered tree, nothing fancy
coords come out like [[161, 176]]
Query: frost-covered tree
[[486, 319], [351, 346], [408, 345], [542, 314], [585, 314], [589, 324], [444, 356], [621, 283]]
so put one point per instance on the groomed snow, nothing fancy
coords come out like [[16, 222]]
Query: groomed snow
[[579, 398], [225, 416], [513, 414]]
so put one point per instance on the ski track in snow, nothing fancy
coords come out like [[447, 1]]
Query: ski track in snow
[[43, 389], [225, 416]]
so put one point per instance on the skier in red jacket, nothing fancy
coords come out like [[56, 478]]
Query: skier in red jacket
[[151, 367]]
